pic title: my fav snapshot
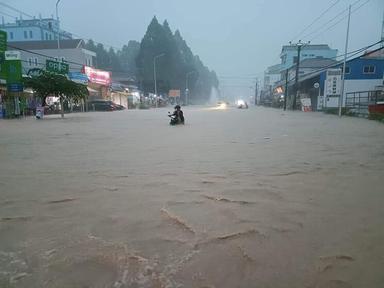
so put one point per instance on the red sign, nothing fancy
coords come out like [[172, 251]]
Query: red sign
[[97, 76]]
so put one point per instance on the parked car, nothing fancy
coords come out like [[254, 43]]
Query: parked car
[[103, 105]]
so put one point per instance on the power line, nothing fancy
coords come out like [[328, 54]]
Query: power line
[[332, 26], [351, 57], [61, 34], [318, 18], [9, 15], [340, 14], [15, 9]]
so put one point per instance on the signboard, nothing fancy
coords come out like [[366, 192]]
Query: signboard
[[306, 105], [333, 82], [15, 87], [57, 67], [3, 40], [13, 71], [78, 77], [97, 76], [174, 93], [12, 55]]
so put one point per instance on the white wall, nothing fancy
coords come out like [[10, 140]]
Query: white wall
[[354, 86]]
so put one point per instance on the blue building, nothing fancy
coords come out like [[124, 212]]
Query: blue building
[[363, 74], [34, 30]]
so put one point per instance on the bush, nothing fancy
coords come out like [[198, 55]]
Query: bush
[[335, 111], [376, 116]]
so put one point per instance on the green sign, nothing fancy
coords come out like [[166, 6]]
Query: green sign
[[13, 71], [57, 67], [3, 40], [3, 71]]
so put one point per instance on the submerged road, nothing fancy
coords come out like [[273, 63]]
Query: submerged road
[[234, 198]]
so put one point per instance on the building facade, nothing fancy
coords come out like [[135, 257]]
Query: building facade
[[288, 54], [42, 29], [35, 53]]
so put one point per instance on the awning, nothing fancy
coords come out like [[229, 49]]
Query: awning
[[93, 90]]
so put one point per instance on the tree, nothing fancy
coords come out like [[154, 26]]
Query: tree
[[46, 84], [177, 63]]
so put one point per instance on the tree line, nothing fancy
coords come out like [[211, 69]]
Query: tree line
[[176, 64]]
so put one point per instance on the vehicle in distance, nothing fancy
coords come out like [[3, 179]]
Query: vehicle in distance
[[241, 104], [104, 105]]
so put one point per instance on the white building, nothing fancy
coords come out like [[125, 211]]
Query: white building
[[288, 54], [34, 30], [35, 53]]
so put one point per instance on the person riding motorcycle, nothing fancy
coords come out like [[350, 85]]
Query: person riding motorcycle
[[178, 116]]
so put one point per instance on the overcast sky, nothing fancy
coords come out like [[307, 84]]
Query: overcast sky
[[238, 39]]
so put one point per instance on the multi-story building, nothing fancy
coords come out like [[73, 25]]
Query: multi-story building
[[288, 54], [34, 30], [35, 53]]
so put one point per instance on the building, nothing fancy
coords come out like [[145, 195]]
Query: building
[[363, 74], [271, 76], [35, 53], [42, 29], [310, 65], [288, 54]]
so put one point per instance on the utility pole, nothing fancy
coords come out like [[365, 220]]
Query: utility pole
[[298, 45], [344, 64], [286, 89], [256, 90], [154, 74], [382, 32]]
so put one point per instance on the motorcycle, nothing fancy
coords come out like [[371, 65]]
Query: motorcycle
[[174, 120]]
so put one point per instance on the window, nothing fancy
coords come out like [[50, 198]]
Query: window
[[30, 34], [11, 35], [46, 36], [50, 36], [36, 61], [30, 61], [25, 34], [369, 69], [347, 70]]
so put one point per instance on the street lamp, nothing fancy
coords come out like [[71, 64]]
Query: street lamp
[[154, 73], [186, 86], [58, 28]]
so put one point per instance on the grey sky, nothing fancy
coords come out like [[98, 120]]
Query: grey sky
[[237, 39]]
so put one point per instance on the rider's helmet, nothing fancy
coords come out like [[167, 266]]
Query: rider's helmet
[[177, 107]]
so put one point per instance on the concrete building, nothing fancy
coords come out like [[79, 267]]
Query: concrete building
[[288, 54], [363, 74], [42, 29], [35, 53]]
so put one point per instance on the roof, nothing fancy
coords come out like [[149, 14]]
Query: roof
[[317, 62], [274, 69], [50, 44], [307, 47]]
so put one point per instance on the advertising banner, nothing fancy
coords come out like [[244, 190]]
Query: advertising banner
[[97, 76]]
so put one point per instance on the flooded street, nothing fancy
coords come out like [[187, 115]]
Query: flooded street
[[235, 198]]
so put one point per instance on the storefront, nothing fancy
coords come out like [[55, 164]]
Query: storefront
[[99, 83]]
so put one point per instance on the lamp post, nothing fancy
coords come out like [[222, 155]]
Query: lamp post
[[154, 73], [186, 86], [58, 28]]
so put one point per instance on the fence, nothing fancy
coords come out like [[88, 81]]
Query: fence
[[357, 103]]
